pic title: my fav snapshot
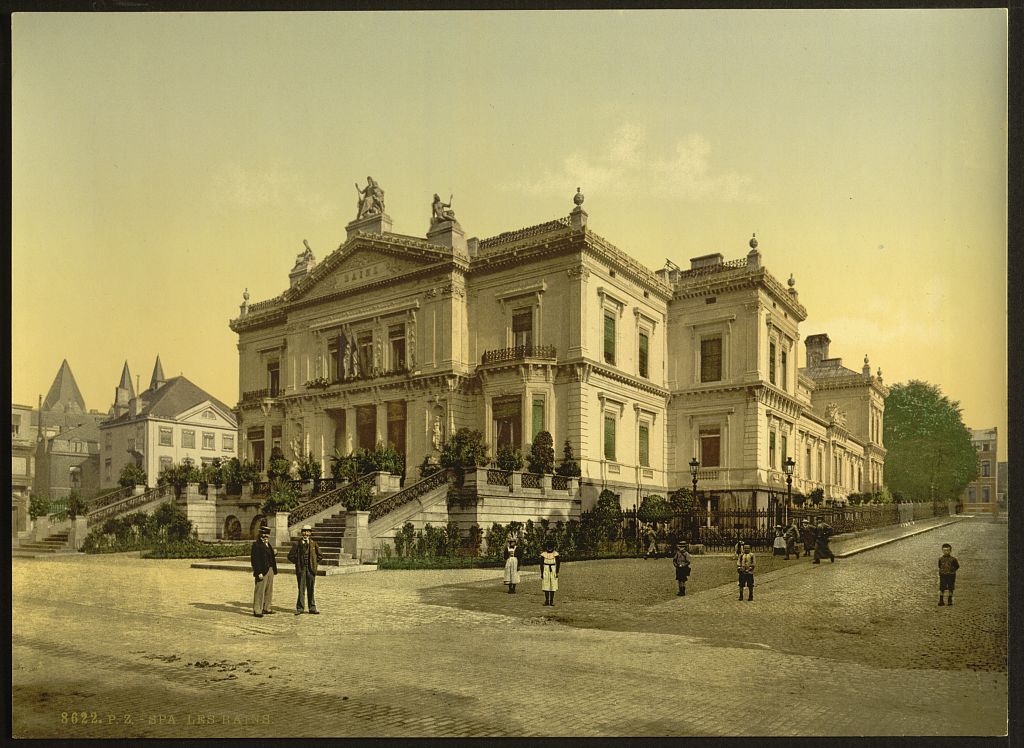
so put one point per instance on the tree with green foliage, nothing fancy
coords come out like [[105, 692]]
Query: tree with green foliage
[[278, 466], [568, 467], [685, 506], [38, 506], [654, 509], [542, 454], [817, 496], [928, 444], [283, 497], [465, 450], [132, 475]]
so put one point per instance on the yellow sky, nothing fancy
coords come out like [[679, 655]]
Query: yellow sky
[[164, 162]]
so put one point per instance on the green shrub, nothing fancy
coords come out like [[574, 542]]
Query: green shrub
[[359, 497], [568, 467], [508, 458], [428, 468], [542, 454], [283, 497], [132, 475], [197, 549], [38, 507], [77, 506], [278, 466], [310, 469], [817, 496], [654, 509], [405, 540], [168, 524], [466, 449]]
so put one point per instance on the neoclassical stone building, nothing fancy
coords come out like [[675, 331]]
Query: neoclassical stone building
[[404, 339]]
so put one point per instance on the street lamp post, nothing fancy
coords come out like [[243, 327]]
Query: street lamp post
[[788, 466], [694, 467]]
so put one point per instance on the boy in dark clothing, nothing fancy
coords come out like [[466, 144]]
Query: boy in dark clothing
[[947, 572], [682, 563], [745, 567], [807, 537]]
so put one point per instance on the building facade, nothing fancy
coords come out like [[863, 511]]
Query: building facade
[[170, 421], [402, 339], [23, 464], [982, 494]]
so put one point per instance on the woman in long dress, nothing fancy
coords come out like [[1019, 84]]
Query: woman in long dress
[[549, 564], [513, 553]]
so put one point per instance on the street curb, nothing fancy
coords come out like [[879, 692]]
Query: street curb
[[880, 543]]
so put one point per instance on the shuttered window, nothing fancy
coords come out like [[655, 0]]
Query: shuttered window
[[609, 438], [609, 338], [644, 439]]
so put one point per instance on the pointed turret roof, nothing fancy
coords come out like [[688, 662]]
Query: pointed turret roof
[[158, 375], [126, 381], [64, 394]]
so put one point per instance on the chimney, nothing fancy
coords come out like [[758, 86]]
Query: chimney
[[817, 349]]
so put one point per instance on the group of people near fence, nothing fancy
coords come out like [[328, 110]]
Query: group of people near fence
[[550, 563], [813, 537]]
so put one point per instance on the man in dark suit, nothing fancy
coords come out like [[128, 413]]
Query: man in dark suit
[[264, 567], [306, 555]]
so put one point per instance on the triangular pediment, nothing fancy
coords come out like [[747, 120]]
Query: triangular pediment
[[354, 265]]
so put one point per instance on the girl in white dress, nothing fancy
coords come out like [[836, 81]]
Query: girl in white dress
[[512, 555], [549, 564]]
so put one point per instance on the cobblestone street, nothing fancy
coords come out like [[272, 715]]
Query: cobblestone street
[[156, 649]]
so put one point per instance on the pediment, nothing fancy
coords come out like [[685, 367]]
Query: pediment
[[352, 267]]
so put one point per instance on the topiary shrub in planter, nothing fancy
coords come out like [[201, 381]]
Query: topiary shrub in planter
[[465, 450], [359, 498], [309, 469], [817, 496], [542, 454], [508, 458], [278, 466], [568, 467], [283, 497]]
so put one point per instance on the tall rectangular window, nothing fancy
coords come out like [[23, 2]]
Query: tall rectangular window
[[807, 463], [771, 449], [366, 426], [642, 353], [986, 469], [985, 495], [396, 338], [364, 346], [15, 425], [208, 442], [538, 417], [522, 328], [227, 442], [165, 463], [396, 425], [644, 437], [274, 378], [785, 447], [188, 439], [609, 337], [609, 437], [256, 444], [711, 359], [108, 468], [507, 421], [820, 466], [710, 446], [166, 436], [333, 358], [107, 441], [771, 362], [782, 362]]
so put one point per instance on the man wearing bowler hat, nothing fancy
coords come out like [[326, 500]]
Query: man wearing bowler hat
[[264, 567], [306, 555]]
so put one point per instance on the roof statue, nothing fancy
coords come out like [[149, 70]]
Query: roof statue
[[441, 211], [371, 199]]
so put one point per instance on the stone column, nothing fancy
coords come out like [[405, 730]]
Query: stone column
[[202, 511], [278, 524], [356, 541], [79, 529]]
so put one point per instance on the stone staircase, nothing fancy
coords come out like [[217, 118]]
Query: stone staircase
[[52, 544], [328, 534]]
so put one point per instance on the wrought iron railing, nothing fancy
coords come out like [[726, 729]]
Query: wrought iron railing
[[109, 498], [530, 480], [165, 491], [325, 484], [512, 236], [325, 501], [499, 478], [390, 503], [559, 482], [252, 395], [260, 487], [519, 352]]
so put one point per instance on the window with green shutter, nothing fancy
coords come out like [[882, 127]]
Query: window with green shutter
[[538, 417], [645, 459], [609, 438], [609, 337]]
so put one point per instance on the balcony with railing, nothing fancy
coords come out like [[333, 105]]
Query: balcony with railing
[[519, 353]]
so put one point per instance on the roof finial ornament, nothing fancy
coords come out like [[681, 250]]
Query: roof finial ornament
[[243, 308], [578, 197], [792, 281], [867, 368], [753, 241]]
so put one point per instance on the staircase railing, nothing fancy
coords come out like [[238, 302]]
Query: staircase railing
[[325, 501], [165, 491], [109, 498], [409, 493]]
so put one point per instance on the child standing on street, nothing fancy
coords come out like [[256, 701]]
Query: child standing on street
[[549, 563], [947, 572], [745, 567], [682, 564]]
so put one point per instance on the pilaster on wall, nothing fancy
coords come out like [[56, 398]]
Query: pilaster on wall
[[752, 438], [576, 428]]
